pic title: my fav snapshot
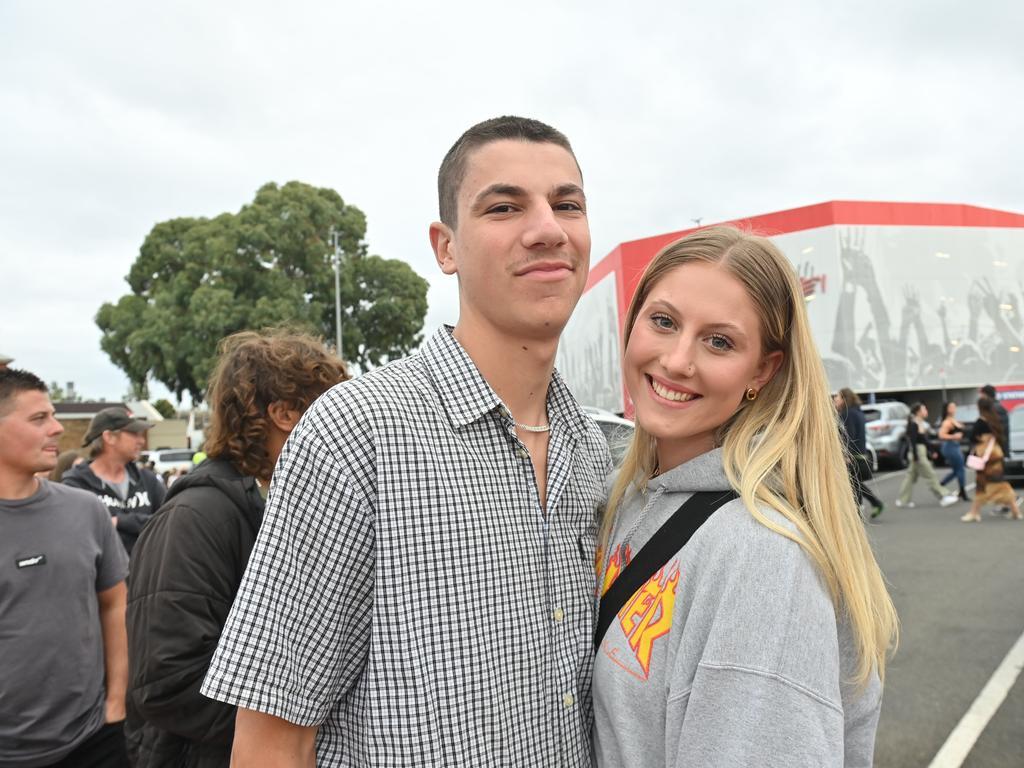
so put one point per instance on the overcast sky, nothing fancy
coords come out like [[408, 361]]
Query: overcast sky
[[114, 116]]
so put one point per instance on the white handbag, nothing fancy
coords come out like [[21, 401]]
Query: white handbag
[[977, 463]]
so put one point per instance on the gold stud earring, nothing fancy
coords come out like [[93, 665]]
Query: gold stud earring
[[750, 394]]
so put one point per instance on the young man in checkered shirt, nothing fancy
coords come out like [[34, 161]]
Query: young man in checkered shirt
[[421, 591]]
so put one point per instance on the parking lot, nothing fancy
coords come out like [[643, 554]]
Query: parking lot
[[959, 591]]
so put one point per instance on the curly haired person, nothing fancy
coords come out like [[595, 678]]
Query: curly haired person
[[190, 558]]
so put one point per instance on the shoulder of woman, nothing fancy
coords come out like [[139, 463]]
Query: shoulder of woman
[[736, 536], [761, 593]]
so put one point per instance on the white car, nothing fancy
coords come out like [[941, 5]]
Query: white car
[[168, 459], [617, 431]]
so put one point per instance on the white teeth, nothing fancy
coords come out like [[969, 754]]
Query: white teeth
[[671, 394]]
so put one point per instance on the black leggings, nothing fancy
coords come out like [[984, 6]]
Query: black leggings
[[860, 473]]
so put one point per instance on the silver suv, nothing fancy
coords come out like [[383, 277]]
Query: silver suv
[[887, 432]]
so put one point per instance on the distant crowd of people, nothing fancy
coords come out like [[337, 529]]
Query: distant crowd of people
[[433, 564], [988, 447]]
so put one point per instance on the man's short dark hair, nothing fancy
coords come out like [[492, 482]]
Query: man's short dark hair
[[989, 390], [14, 381], [453, 167]]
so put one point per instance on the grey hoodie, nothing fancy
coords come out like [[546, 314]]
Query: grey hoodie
[[731, 655]]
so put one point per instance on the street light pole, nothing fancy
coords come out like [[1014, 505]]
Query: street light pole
[[337, 292]]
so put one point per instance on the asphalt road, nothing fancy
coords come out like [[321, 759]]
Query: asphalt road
[[959, 591]]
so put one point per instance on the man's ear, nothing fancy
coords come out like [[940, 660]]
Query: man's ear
[[442, 242], [283, 417], [770, 365]]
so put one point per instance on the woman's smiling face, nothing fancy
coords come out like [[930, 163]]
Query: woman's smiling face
[[694, 350]]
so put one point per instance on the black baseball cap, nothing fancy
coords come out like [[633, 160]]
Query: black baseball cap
[[114, 419]]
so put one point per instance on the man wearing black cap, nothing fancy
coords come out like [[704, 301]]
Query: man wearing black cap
[[130, 494]]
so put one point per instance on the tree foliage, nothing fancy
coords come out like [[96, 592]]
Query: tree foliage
[[165, 408], [197, 280]]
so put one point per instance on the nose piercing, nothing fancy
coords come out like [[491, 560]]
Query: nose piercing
[[691, 369]]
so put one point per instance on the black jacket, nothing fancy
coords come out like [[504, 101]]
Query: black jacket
[[186, 570], [145, 494], [854, 431]]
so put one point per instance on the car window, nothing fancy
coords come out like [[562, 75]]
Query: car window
[[176, 456], [872, 414]]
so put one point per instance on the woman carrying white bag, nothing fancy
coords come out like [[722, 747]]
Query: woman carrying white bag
[[986, 460]]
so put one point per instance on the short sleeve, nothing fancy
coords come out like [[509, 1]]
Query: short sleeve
[[297, 636]]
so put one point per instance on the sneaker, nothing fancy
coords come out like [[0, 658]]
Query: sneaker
[[948, 499], [877, 511], [906, 504]]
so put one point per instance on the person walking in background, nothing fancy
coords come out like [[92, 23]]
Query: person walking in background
[[1004, 442], [920, 465], [991, 488], [62, 600], [190, 558], [1002, 415], [951, 432], [130, 494], [855, 439]]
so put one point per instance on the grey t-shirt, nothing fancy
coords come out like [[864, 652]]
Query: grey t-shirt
[[121, 489], [57, 550], [732, 655]]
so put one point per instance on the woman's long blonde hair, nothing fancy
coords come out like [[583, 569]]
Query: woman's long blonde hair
[[781, 450]]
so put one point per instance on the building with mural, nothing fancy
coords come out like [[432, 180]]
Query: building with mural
[[904, 299]]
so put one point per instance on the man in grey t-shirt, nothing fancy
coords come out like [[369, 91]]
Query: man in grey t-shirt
[[62, 600]]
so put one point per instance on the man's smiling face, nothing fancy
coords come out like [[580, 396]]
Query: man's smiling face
[[521, 244]]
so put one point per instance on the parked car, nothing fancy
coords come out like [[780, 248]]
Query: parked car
[[168, 459], [872, 458], [1013, 465], [887, 432], [617, 431]]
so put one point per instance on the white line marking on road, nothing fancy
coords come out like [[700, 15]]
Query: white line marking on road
[[961, 741]]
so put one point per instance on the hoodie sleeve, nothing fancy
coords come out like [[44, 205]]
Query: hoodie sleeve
[[185, 571]]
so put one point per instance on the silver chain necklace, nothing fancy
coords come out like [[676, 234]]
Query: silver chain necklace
[[529, 428]]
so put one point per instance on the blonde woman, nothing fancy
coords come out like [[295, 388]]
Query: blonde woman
[[762, 640]]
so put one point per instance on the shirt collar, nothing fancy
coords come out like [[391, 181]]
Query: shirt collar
[[467, 396]]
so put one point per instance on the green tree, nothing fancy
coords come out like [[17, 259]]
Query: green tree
[[197, 280], [165, 408]]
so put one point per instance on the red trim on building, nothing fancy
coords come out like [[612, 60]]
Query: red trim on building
[[849, 212]]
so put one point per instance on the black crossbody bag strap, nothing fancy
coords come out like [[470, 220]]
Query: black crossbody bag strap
[[668, 540]]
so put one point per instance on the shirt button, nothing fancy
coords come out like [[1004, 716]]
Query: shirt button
[[559, 614], [568, 700], [523, 453]]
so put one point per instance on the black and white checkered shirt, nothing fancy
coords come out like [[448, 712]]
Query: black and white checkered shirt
[[407, 592]]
